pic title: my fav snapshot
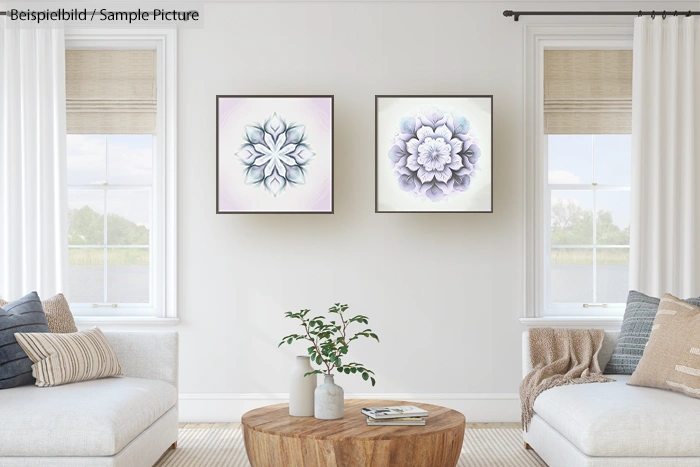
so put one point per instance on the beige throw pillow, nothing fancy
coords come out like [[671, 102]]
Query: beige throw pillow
[[671, 359], [68, 358], [57, 312]]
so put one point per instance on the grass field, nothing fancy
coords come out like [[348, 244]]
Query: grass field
[[115, 256], [584, 256]]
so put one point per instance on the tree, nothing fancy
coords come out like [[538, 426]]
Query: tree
[[86, 227], [573, 225], [608, 233]]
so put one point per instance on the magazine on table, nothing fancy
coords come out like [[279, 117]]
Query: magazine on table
[[400, 411], [413, 421]]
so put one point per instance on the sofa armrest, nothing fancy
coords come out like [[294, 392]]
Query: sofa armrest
[[149, 355], [606, 350]]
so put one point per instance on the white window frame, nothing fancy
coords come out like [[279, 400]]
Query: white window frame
[[163, 288], [539, 38]]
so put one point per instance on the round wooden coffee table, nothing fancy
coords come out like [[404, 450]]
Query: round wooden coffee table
[[273, 438]]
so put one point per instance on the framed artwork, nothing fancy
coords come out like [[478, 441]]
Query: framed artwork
[[433, 154], [274, 154]]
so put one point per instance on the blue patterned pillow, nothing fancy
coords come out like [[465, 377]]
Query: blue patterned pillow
[[23, 315], [634, 335]]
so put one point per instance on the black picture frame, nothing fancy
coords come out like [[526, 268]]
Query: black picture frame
[[376, 150], [278, 96]]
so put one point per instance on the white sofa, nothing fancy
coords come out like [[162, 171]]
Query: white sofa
[[613, 424], [127, 421]]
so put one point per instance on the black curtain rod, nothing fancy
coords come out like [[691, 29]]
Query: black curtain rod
[[517, 14]]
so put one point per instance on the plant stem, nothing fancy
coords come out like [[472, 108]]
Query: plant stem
[[345, 324], [318, 351]]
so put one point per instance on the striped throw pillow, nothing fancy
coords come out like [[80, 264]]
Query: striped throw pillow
[[23, 315], [69, 358], [58, 313], [671, 359]]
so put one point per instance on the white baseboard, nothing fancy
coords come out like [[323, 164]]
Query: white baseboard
[[228, 407]]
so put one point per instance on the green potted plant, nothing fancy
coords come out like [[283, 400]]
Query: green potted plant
[[330, 341]]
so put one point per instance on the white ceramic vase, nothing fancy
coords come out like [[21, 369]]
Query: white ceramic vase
[[329, 401], [301, 389]]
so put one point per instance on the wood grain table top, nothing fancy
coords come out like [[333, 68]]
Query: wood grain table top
[[275, 419]]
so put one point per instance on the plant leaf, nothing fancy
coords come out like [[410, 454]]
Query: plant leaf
[[365, 376]]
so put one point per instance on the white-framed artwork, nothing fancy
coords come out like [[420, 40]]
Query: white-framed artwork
[[274, 154]]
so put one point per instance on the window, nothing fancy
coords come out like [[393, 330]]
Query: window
[[120, 95], [588, 202], [110, 214], [577, 173]]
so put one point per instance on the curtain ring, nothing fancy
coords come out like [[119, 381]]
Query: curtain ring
[[640, 14], [675, 13], [688, 15], [653, 14], [664, 15]]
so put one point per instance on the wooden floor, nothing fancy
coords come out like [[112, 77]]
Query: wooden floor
[[204, 426]]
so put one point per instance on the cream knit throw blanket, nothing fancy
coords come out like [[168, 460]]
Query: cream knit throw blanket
[[560, 357]]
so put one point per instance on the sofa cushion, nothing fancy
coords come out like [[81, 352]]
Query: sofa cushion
[[616, 420], [636, 326], [90, 418], [23, 315], [69, 357], [672, 356], [58, 313]]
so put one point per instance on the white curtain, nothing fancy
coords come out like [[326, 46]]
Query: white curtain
[[665, 228], [33, 196]]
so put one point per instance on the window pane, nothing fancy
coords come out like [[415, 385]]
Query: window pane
[[86, 275], [128, 221], [86, 159], [570, 159], [128, 275], [572, 217], [85, 217], [613, 220], [571, 275], [613, 156], [130, 160], [612, 279]]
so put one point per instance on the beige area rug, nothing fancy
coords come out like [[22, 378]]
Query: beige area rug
[[204, 446]]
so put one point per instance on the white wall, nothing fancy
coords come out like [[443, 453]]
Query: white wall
[[443, 291]]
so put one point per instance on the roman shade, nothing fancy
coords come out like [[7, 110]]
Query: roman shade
[[111, 91], [587, 91]]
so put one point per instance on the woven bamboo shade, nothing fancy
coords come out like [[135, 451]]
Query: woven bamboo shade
[[588, 91], [111, 91]]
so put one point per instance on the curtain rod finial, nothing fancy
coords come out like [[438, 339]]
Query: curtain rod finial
[[508, 13]]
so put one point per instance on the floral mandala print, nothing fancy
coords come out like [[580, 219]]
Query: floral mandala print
[[275, 154], [434, 154]]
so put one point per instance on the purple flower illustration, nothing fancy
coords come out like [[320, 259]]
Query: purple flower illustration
[[275, 154], [434, 154]]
